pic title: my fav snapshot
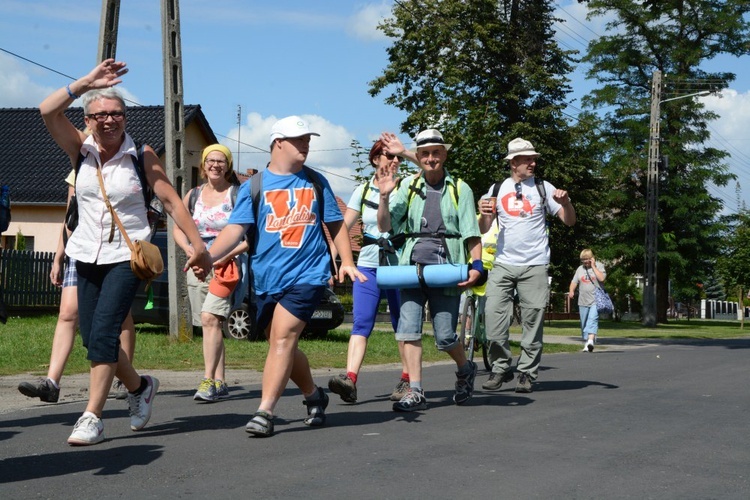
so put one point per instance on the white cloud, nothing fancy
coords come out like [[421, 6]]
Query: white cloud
[[729, 133], [330, 153], [17, 89], [363, 24]]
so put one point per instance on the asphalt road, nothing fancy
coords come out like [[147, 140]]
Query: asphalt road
[[664, 421]]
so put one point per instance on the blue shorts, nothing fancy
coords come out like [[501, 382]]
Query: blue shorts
[[300, 300]]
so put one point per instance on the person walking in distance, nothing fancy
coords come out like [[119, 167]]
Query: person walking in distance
[[587, 277]]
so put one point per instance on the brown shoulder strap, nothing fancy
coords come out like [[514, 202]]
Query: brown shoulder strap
[[115, 218]]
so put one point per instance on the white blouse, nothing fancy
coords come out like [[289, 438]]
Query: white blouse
[[89, 242]]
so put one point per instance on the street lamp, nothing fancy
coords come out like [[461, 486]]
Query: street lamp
[[652, 199]]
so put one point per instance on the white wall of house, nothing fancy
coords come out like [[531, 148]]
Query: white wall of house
[[42, 223]]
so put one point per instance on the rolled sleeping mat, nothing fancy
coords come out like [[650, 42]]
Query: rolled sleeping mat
[[432, 276]]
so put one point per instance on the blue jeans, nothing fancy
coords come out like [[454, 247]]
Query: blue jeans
[[589, 321], [366, 297], [105, 294], [444, 311]]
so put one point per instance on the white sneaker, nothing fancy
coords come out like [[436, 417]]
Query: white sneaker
[[585, 348], [141, 405], [88, 430]]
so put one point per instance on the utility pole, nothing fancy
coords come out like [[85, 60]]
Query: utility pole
[[180, 322], [652, 206], [239, 130], [650, 303], [108, 30]]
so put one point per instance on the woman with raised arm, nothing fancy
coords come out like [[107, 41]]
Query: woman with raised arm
[[106, 283]]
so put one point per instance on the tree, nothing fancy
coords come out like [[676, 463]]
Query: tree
[[714, 289], [734, 264], [20, 241], [485, 72], [674, 37]]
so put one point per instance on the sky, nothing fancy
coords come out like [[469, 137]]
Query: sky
[[250, 62]]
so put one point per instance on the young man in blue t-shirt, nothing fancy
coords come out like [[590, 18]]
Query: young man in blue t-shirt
[[290, 264]]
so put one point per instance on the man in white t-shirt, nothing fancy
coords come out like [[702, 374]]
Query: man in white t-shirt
[[520, 205]]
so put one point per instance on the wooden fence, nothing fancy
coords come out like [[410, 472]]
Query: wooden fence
[[24, 281]]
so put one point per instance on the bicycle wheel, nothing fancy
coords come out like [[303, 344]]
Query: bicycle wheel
[[466, 337], [486, 355], [480, 338]]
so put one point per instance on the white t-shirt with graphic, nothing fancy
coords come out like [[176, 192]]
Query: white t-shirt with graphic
[[520, 212]]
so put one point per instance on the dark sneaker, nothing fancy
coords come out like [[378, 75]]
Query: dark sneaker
[[206, 391], [413, 400], [316, 409], [400, 391], [45, 390], [465, 385], [260, 425], [524, 383], [590, 347], [141, 405], [344, 387], [88, 430], [496, 381], [222, 390], [119, 391]]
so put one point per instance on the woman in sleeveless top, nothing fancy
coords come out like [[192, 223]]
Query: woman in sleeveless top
[[210, 304]]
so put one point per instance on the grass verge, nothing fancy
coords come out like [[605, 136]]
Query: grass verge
[[25, 345]]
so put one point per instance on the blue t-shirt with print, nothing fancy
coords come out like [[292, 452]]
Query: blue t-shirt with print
[[291, 247]]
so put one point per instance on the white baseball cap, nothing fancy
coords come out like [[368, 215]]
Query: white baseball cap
[[289, 127]]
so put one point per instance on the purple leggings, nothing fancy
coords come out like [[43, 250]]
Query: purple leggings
[[366, 297]]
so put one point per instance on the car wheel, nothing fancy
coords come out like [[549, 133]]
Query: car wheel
[[240, 324]]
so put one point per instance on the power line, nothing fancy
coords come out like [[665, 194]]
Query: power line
[[586, 26]]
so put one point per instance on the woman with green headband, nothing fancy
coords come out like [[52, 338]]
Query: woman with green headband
[[211, 300]]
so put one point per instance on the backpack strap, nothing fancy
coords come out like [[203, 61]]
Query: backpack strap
[[496, 188], [365, 201], [454, 189], [314, 177], [194, 194], [542, 194], [148, 193]]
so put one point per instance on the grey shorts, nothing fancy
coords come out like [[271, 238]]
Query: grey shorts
[[201, 300]]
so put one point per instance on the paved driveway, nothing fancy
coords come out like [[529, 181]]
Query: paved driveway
[[660, 421]]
